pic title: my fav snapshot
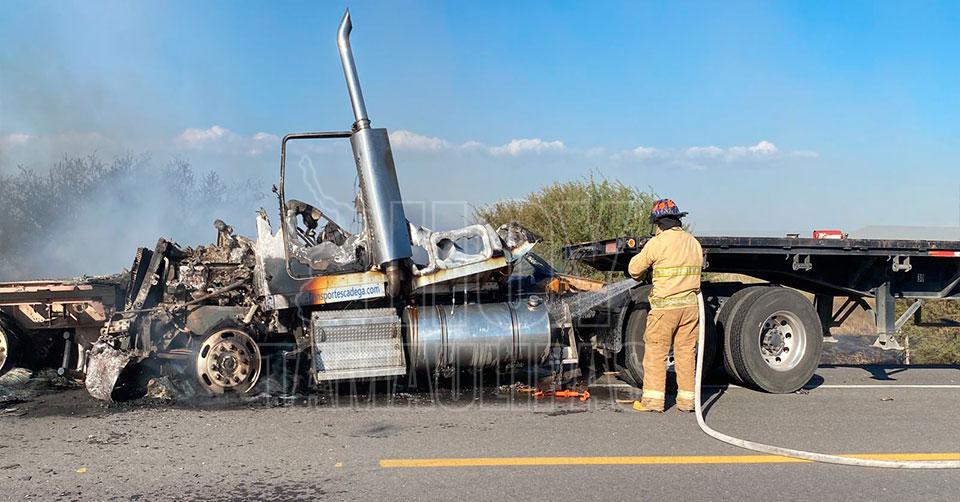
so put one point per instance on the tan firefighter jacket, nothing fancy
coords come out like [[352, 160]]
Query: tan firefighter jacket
[[677, 261]]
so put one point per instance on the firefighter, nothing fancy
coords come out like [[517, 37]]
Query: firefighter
[[676, 259]]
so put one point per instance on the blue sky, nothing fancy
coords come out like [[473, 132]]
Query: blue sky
[[757, 117]]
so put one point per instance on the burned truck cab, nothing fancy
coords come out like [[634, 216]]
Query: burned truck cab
[[388, 300]]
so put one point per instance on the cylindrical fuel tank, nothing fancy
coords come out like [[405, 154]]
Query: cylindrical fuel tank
[[476, 335]]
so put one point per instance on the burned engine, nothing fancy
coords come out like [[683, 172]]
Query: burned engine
[[175, 295]]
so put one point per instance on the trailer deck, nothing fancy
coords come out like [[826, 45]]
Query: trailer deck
[[916, 269], [49, 323], [828, 268]]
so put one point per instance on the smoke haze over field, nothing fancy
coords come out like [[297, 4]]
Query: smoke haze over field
[[85, 216]]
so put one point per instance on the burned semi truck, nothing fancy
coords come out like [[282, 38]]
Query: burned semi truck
[[395, 299], [353, 305]]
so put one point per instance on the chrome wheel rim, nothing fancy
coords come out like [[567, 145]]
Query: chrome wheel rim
[[228, 361], [782, 340]]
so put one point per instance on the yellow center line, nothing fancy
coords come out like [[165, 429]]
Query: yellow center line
[[390, 463]]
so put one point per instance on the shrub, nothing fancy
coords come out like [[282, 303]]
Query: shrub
[[586, 209]]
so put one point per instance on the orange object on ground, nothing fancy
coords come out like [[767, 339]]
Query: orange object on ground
[[537, 393], [570, 393]]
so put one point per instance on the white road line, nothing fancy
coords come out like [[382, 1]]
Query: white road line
[[825, 386], [884, 386]]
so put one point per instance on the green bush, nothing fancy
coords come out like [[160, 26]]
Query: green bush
[[587, 209]]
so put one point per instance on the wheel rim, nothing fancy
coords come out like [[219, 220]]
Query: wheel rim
[[228, 361], [782, 340], [4, 348]]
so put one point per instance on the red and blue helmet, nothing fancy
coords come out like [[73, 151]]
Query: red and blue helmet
[[663, 208]]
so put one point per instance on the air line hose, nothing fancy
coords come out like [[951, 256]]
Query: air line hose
[[786, 452]]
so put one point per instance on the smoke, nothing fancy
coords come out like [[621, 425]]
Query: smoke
[[85, 216]]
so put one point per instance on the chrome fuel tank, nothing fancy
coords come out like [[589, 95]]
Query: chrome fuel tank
[[477, 335]]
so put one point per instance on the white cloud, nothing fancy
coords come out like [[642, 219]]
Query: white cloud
[[701, 157], [704, 152], [263, 141], [645, 152], [14, 139], [528, 145], [411, 141], [693, 157], [763, 149], [222, 140], [198, 138], [265, 136], [406, 140], [473, 146], [640, 153]]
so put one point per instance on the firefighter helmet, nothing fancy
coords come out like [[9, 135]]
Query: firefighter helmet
[[663, 208]]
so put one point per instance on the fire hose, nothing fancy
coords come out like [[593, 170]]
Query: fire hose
[[787, 452]]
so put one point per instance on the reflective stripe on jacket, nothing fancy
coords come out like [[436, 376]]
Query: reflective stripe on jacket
[[677, 262]]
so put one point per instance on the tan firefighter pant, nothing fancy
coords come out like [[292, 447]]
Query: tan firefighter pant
[[681, 327]]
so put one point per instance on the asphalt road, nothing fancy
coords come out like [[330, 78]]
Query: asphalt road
[[489, 444]]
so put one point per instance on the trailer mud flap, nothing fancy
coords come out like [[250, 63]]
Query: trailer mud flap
[[104, 366]]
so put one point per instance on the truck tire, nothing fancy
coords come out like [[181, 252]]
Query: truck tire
[[631, 367], [10, 345], [728, 312], [776, 340], [226, 360]]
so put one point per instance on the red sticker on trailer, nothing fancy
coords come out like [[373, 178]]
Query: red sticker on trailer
[[945, 254], [611, 247]]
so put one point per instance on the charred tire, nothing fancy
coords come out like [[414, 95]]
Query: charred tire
[[725, 317], [10, 345], [776, 339], [631, 365], [227, 360]]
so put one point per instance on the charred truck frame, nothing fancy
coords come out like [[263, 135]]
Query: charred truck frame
[[365, 305], [354, 306]]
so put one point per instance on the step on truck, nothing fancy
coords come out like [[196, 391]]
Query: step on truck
[[769, 336]]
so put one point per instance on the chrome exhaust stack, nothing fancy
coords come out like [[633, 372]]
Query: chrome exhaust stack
[[350, 73], [381, 203]]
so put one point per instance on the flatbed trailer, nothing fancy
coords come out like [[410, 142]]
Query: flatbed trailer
[[51, 323], [826, 269]]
